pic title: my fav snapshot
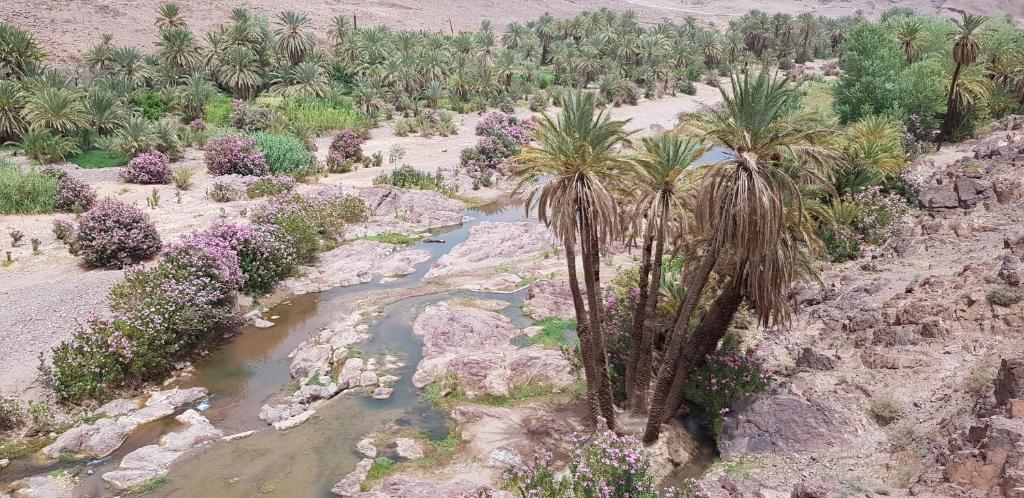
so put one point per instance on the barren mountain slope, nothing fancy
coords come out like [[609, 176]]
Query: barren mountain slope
[[67, 27]]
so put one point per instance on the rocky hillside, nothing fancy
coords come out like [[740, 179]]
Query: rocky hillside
[[906, 367]]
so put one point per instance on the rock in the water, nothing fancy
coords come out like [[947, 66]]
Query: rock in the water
[[785, 424], [177, 397], [382, 393], [357, 262], [290, 422], [118, 407], [491, 244], [199, 431], [408, 448], [123, 479], [411, 487], [410, 211], [95, 440], [366, 448], [350, 484]]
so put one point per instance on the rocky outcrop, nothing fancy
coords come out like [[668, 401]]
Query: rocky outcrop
[[148, 462], [356, 262], [352, 482], [1009, 381], [784, 424], [549, 299], [413, 487], [408, 448], [473, 345], [492, 244], [45, 486], [409, 211], [102, 437]]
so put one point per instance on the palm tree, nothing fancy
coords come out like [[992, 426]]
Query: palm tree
[[545, 29], [304, 80], [910, 33], [196, 91], [742, 218], [660, 185], [104, 112], [99, 56], [126, 61], [339, 31], [18, 49], [55, 108], [169, 17], [565, 176], [240, 72], [11, 102], [292, 38], [966, 49], [807, 27], [178, 49]]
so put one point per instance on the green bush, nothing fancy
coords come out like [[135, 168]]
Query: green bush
[[26, 192], [286, 155], [724, 378], [871, 63], [313, 222], [151, 105], [217, 111], [95, 159], [1003, 296], [322, 115], [406, 176]]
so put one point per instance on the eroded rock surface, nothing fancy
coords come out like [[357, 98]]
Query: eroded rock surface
[[492, 244], [356, 262]]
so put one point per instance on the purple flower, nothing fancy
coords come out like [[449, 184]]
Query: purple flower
[[234, 155], [74, 195], [115, 235], [148, 168]]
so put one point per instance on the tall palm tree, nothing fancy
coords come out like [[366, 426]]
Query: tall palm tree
[[742, 219], [661, 183], [196, 91], [55, 108], [18, 49], [293, 40], [239, 70], [99, 56], [11, 102], [910, 33], [807, 27], [966, 49], [565, 176], [178, 49], [168, 16]]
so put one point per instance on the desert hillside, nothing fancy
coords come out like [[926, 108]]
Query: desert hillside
[[68, 27]]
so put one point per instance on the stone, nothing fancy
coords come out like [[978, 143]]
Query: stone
[[117, 407], [809, 358], [1010, 380], [312, 392], [261, 323], [272, 414], [938, 197], [368, 379], [4, 462], [124, 479], [549, 299], [491, 244], [151, 413], [410, 211], [95, 440], [408, 448], [43, 486], [309, 359], [1010, 271], [240, 435], [152, 457], [199, 431], [783, 424], [382, 393], [351, 483], [176, 397], [350, 373], [1015, 408], [291, 422], [366, 448], [413, 487]]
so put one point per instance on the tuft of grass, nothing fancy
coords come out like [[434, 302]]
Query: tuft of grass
[[96, 159], [149, 486], [26, 192], [381, 468], [21, 447], [322, 115], [886, 409], [819, 97], [1003, 296], [217, 111], [553, 334], [392, 238], [981, 376]]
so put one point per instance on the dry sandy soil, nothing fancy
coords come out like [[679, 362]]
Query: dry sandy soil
[[68, 27], [44, 296]]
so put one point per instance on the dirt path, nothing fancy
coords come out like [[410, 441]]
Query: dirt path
[[43, 297]]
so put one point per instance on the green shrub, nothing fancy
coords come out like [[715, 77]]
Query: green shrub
[[1003, 296], [95, 159], [322, 115], [406, 176], [553, 336], [267, 186], [286, 155], [11, 415], [313, 222], [26, 192], [151, 105], [217, 111], [724, 378]]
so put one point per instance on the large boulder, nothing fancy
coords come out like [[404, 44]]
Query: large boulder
[[352, 482], [1010, 380], [549, 299], [95, 440], [492, 244], [410, 211], [784, 424]]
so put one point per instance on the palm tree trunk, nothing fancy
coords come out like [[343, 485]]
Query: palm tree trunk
[[703, 342], [947, 122], [591, 276], [636, 332], [666, 374], [642, 385], [582, 330]]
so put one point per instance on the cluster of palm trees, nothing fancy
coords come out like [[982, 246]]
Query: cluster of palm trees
[[740, 225]]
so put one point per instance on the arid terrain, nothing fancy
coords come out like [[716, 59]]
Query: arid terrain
[[68, 27]]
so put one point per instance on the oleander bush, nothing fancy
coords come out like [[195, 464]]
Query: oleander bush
[[74, 195], [264, 252], [501, 136], [148, 168], [725, 377], [116, 235], [229, 155], [313, 222], [345, 150], [286, 155]]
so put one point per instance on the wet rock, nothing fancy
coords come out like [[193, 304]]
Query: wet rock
[[312, 392], [124, 479], [350, 484], [261, 323], [411, 487], [153, 457], [784, 423], [4, 462], [199, 431], [1010, 380], [177, 397], [272, 414], [492, 244], [240, 435], [549, 299], [411, 211], [368, 379], [290, 422], [408, 448], [95, 440], [357, 262], [309, 359], [382, 393], [150, 413], [366, 448]]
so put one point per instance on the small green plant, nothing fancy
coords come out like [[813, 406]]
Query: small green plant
[[149, 486], [154, 199], [26, 192], [395, 154], [181, 177], [382, 467], [286, 155], [16, 236], [885, 408], [406, 176], [981, 376], [392, 238], [36, 243], [11, 415], [1003, 296], [223, 192], [96, 159]]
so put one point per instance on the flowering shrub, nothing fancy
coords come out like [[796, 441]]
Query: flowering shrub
[[603, 465], [868, 217], [233, 155], [726, 377], [250, 118], [74, 195], [264, 255], [115, 235], [501, 136], [148, 168], [63, 229], [313, 222], [346, 148]]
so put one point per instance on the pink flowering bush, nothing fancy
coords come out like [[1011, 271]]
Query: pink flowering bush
[[74, 195], [602, 465], [345, 150], [501, 136], [264, 253], [869, 217], [234, 155], [115, 235], [726, 377], [313, 222], [148, 168]]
